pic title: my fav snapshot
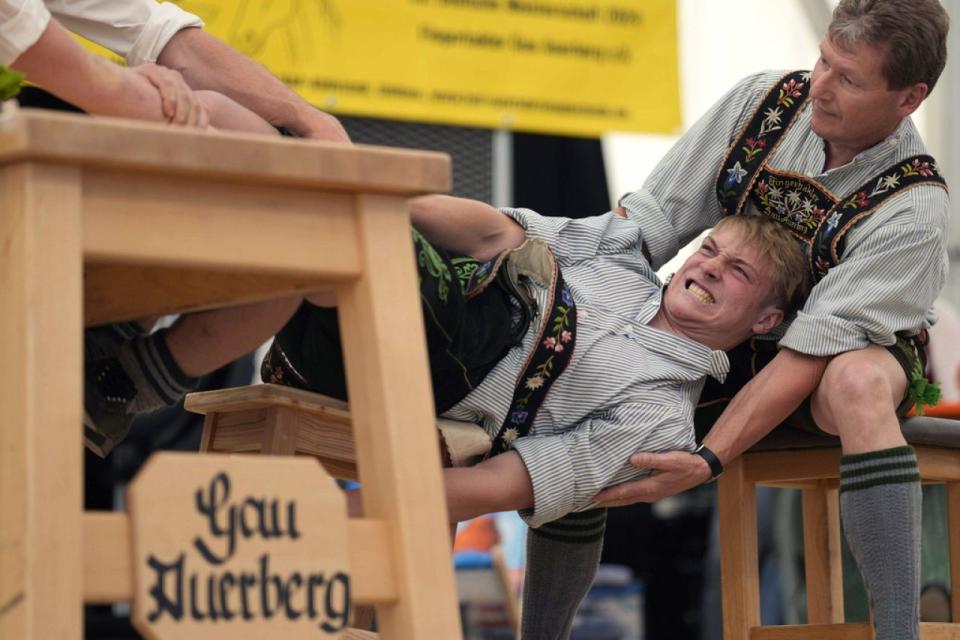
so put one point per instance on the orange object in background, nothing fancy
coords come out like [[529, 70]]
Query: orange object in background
[[479, 534], [944, 410]]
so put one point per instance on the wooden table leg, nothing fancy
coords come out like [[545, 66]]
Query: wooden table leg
[[390, 400], [953, 523], [40, 403], [821, 543], [739, 572]]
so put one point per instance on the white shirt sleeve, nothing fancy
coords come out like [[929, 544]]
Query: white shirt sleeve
[[138, 30], [22, 22]]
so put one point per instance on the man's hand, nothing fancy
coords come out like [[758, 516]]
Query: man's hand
[[318, 125], [179, 103], [670, 473]]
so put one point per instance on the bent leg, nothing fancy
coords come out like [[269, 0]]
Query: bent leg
[[879, 483]]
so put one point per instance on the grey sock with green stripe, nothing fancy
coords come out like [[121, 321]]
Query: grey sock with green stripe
[[562, 559], [159, 381], [880, 510]]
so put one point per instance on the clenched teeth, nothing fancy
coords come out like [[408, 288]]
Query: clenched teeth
[[700, 293]]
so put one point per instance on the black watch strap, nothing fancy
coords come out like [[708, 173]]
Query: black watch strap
[[716, 467]]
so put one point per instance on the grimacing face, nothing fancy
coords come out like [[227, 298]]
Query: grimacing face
[[722, 294], [853, 106]]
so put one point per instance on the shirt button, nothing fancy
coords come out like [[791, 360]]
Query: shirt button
[[627, 328]]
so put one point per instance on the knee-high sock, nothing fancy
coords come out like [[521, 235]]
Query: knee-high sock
[[562, 558], [880, 509]]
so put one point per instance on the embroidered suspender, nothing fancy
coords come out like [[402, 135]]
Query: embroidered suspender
[[552, 353], [827, 246], [761, 135], [815, 216]]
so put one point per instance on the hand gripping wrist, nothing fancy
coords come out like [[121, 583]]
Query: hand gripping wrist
[[716, 467]]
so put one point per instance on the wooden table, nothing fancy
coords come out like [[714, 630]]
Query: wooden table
[[104, 220]]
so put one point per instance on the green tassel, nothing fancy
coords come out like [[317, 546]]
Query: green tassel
[[923, 393], [10, 83]]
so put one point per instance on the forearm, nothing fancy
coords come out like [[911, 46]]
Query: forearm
[[57, 63], [208, 63], [765, 402], [466, 227], [500, 483]]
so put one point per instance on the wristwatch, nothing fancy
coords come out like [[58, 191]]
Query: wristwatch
[[716, 467]]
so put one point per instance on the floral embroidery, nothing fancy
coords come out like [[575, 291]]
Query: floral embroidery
[[758, 139], [753, 147], [736, 173], [828, 243], [789, 92], [924, 168], [552, 352]]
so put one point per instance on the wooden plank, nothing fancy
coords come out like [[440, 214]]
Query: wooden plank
[[246, 158], [953, 524], [115, 292], [768, 467], [259, 396], [213, 225], [938, 465], [108, 574], [859, 631], [822, 559], [739, 572], [40, 402], [392, 408]]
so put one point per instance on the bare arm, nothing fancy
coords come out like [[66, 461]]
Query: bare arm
[[60, 65], [467, 227], [208, 63], [761, 405], [500, 483]]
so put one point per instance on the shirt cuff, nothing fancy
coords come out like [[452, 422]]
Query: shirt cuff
[[165, 21], [22, 31], [815, 335], [658, 235], [549, 467]]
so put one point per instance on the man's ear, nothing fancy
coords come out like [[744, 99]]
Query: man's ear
[[769, 318], [912, 98]]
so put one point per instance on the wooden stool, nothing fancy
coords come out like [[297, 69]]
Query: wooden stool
[[277, 420], [793, 459]]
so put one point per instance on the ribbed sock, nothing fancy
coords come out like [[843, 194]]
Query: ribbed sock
[[880, 510], [155, 373], [562, 559]]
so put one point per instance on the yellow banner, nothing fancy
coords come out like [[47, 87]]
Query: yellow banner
[[576, 67]]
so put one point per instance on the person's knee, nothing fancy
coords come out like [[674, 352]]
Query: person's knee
[[858, 384]]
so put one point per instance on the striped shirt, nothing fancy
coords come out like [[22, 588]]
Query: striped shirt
[[629, 387], [895, 261]]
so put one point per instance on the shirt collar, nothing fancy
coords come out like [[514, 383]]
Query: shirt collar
[[690, 354]]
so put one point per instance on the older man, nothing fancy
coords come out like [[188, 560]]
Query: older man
[[833, 156]]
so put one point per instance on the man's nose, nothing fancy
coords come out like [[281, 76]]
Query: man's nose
[[820, 85]]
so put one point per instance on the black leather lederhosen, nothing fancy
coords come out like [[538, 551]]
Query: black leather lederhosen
[[818, 218]]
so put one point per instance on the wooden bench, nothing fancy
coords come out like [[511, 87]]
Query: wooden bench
[[792, 459]]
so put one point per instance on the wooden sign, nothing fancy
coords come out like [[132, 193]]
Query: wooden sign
[[238, 547]]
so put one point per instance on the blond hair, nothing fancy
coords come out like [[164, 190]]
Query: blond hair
[[790, 276]]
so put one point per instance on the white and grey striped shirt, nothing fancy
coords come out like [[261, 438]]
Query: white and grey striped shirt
[[895, 261], [629, 387]]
